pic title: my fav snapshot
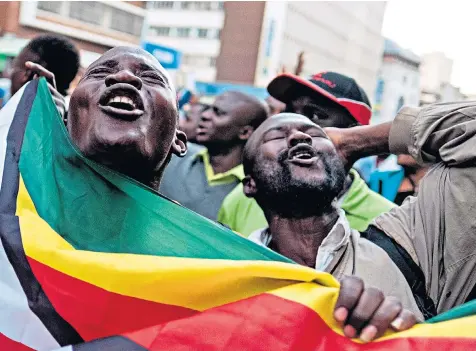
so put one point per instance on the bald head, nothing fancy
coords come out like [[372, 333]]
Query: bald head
[[292, 168], [231, 119], [275, 122], [124, 114]]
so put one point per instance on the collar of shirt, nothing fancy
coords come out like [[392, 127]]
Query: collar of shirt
[[338, 237], [236, 173]]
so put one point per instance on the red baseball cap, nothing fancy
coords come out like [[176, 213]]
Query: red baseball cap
[[324, 86]]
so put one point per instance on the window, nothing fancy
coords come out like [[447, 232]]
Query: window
[[183, 32], [163, 4], [186, 5], [88, 11], [218, 34], [404, 79], [160, 31], [202, 33], [126, 22], [50, 6], [213, 61], [221, 5], [203, 5]]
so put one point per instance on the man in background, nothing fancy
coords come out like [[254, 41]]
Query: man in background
[[204, 177], [56, 54], [328, 99], [189, 119]]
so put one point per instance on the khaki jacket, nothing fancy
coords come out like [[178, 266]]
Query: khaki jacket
[[343, 252], [438, 228]]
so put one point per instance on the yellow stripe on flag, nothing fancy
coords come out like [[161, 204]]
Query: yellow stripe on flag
[[159, 279]]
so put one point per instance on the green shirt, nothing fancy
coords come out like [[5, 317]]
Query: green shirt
[[361, 205]]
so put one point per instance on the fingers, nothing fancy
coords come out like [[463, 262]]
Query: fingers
[[367, 313], [404, 321], [381, 320], [360, 316], [40, 71], [58, 100], [350, 290]]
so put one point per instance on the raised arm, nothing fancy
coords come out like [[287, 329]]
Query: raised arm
[[439, 132]]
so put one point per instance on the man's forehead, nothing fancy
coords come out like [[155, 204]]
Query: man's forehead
[[128, 55], [287, 121]]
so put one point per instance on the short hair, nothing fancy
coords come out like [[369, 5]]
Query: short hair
[[59, 56], [260, 108]]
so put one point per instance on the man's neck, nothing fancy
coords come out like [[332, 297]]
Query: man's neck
[[299, 239], [222, 159]]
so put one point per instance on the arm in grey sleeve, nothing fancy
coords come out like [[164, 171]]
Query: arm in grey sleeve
[[436, 133]]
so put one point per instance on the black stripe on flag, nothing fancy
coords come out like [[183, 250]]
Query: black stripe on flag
[[113, 343], [10, 234]]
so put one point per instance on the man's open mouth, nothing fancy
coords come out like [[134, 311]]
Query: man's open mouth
[[123, 101], [302, 154]]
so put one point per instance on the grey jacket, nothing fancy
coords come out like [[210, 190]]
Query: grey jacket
[[438, 228]]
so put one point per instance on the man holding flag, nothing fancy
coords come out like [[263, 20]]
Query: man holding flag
[[90, 256]]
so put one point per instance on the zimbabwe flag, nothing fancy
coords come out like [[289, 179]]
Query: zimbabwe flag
[[92, 260]]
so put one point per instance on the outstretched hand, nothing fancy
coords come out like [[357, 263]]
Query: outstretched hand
[[366, 313], [39, 71]]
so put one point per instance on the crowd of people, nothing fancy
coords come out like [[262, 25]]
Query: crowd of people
[[281, 173]]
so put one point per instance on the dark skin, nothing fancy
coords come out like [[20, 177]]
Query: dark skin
[[135, 136], [20, 73], [189, 123], [323, 114], [296, 237], [224, 129], [375, 313], [363, 312]]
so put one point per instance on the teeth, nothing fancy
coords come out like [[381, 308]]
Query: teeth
[[122, 99]]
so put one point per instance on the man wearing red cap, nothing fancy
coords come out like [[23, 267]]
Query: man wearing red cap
[[328, 99]]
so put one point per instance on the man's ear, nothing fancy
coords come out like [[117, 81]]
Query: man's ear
[[249, 187], [246, 132], [179, 145]]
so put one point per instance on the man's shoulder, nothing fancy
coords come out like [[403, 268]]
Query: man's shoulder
[[193, 149]]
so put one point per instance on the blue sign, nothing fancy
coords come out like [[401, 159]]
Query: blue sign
[[213, 89], [169, 58]]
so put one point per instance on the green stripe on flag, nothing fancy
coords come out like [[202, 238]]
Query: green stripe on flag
[[97, 209], [466, 310]]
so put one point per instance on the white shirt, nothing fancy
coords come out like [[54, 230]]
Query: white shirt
[[337, 238]]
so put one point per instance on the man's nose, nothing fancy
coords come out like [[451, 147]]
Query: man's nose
[[206, 115], [124, 76], [298, 137]]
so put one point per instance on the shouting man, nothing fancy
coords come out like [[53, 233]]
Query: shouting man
[[328, 99], [295, 173], [124, 115], [205, 176]]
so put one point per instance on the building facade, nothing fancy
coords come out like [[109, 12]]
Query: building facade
[[250, 42], [436, 69], [398, 82], [191, 27], [94, 26], [338, 36]]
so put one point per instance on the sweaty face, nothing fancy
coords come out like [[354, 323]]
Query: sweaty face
[[222, 121], [123, 112], [325, 116], [297, 164]]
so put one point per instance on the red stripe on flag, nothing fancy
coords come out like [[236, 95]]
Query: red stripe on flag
[[11, 345], [95, 312], [269, 322]]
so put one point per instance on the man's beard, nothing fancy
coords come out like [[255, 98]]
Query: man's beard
[[296, 197]]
